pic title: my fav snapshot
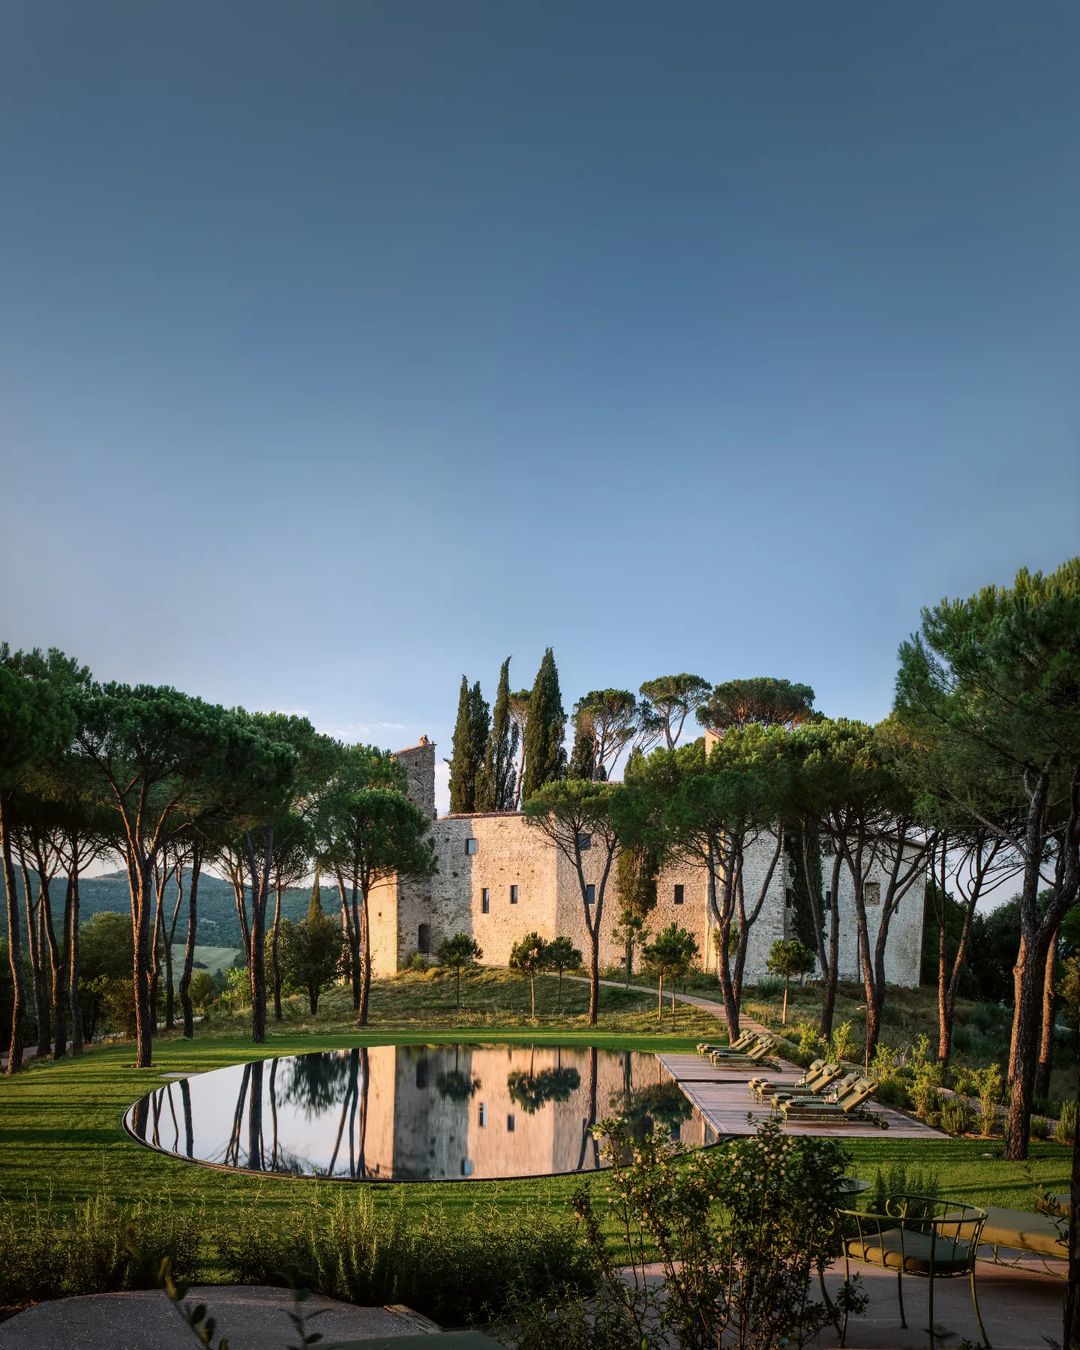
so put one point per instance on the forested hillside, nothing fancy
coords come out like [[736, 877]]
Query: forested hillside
[[218, 923]]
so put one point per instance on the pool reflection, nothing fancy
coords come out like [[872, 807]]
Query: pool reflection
[[413, 1113]]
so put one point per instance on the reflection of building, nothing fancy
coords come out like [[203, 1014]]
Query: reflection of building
[[499, 879], [412, 1113]]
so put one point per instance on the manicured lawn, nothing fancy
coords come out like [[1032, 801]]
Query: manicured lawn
[[61, 1138]]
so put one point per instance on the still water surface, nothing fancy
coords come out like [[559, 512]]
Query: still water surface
[[413, 1113]]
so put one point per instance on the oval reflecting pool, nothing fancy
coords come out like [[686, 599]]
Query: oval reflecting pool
[[413, 1113]]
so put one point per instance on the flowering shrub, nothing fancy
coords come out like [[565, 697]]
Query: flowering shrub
[[739, 1231]]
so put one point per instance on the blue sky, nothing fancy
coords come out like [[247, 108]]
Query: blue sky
[[348, 347]]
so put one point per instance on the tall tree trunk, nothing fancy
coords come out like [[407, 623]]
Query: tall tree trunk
[[60, 981], [1072, 1300], [260, 884], [72, 921], [18, 1000], [33, 952], [832, 977], [140, 874], [1046, 1040], [56, 965], [594, 974], [170, 940], [275, 951], [189, 945], [156, 940], [365, 960]]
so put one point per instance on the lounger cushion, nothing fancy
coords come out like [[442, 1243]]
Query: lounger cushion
[[884, 1249], [1025, 1231]]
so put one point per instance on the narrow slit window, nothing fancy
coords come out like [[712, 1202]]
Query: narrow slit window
[[485, 900], [513, 895], [423, 939]]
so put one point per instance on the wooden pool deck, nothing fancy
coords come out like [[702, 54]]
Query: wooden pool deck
[[722, 1098]]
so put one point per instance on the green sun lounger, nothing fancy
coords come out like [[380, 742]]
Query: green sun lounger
[[821, 1071], [849, 1107]]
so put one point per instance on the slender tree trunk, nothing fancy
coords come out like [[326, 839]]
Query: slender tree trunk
[[170, 941], [660, 997], [156, 940], [61, 1002], [74, 999], [33, 952], [832, 977], [1072, 1300], [140, 872], [783, 1012], [594, 975], [1046, 1040], [275, 951], [260, 881], [532, 992], [365, 959], [189, 945], [18, 1000], [56, 966]]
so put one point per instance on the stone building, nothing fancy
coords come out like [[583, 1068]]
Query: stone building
[[499, 879]]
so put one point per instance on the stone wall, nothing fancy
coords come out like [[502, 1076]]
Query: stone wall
[[509, 853]]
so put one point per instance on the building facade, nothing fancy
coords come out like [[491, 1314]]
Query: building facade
[[499, 878]]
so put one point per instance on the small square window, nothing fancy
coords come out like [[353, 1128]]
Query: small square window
[[471, 846], [584, 841], [680, 895], [466, 1167], [513, 895], [510, 1124], [590, 894], [485, 900]]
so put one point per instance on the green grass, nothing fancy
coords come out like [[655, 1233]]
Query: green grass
[[61, 1139]]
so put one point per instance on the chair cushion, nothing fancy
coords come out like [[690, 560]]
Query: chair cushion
[[884, 1249], [1025, 1231]]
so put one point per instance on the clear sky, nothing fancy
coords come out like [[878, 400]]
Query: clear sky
[[348, 347]]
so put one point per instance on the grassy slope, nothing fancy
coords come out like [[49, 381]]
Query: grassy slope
[[61, 1137]]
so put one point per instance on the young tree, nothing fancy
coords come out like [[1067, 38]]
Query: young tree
[[637, 869], [498, 790], [788, 957], [991, 685], [311, 951], [561, 955], [576, 817], [762, 701], [370, 832], [527, 955], [545, 755], [675, 697], [458, 953], [670, 956]]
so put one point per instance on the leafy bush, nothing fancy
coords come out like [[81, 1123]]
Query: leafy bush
[[925, 1089], [98, 1247], [1065, 1133], [769, 987], [417, 962], [892, 1092], [451, 1266], [810, 1039], [897, 1180], [954, 1116], [842, 1045], [739, 1234], [1039, 1127]]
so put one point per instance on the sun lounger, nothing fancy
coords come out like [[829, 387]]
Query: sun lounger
[[1045, 1236], [742, 1042], [817, 1075], [848, 1108], [832, 1090], [811, 1073]]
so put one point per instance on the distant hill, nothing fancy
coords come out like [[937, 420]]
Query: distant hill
[[218, 923]]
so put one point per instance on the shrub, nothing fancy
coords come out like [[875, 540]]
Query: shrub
[[842, 1045], [810, 1039], [98, 1247], [892, 1092], [954, 1116], [769, 987], [739, 1234], [1065, 1133], [416, 962], [1039, 1127], [897, 1180], [925, 1089], [451, 1266]]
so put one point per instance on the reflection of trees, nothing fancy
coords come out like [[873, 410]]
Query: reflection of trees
[[255, 1139], [455, 1086], [587, 1124], [189, 1124], [316, 1081], [531, 1091], [658, 1104]]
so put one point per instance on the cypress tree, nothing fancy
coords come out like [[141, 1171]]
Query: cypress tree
[[583, 755], [497, 787], [545, 756], [479, 732], [462, 768], [315, 910]]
